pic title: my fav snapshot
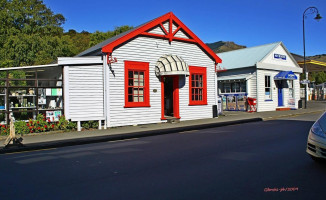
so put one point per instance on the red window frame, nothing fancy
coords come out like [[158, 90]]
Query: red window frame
[[136, 68], [197, 85]]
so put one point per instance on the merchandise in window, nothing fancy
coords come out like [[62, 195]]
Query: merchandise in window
[[24, 93], [234, 87], [198, 87], [136, 84]]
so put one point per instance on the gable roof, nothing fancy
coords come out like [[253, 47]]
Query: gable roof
[[110, 44], [247, 57]]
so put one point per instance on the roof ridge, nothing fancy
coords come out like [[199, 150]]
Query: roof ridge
[[248, 48]]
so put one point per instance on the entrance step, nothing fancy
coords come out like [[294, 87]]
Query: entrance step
[[282, 109], [172, 120]]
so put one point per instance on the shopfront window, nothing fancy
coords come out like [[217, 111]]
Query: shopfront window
[[268, 91], [233, 87], [28, 92], [226, 88]]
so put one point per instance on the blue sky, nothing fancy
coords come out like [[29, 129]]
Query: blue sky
[[246, 22]]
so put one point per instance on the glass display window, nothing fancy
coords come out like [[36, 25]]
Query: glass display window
[[28, 92]]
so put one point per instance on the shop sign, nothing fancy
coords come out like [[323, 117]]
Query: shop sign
[[279, 56], [305, 81]]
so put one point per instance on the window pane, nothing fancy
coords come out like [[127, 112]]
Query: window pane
[[2, 83], [49, 83], [227, 87], [135, 98], [135, 91], [130, 74], [141, 98], [141, 91], [135, 75], [267, 93], [130, 98], [141, 82], [242, 87], [141, 75], [233, 87], [3, 74], [130, 91]]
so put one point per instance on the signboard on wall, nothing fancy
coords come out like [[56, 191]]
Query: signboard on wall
[[279, 56], [291, 103]]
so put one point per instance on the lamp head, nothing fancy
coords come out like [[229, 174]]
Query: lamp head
[[318, 17]]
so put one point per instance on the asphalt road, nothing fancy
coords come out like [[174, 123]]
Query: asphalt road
[[261, 160]]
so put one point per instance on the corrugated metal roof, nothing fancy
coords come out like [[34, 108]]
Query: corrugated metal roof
[[247, 57]]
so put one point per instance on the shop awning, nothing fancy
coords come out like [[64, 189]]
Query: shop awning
[[171, 65], [237, 77], [285, 75]]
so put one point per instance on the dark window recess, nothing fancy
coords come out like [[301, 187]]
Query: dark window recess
[[28, 92]]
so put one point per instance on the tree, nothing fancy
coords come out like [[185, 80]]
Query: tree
[[80, 40], [98, 36], [30, 33], [318, 77]]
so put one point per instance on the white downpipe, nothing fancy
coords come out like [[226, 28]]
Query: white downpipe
[[106, 93]]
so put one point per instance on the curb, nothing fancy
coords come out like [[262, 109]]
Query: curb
[[98, 139], [291, 115]]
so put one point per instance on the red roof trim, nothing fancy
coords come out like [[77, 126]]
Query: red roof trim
[[168, 35]]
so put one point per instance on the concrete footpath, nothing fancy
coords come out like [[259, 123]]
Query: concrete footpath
[[60, 139]]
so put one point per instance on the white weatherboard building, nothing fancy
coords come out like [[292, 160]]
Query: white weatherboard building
[[152, 73], [267, 73]]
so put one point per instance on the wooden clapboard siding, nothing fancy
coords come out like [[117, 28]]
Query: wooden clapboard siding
[[174, 27], [272, 105], [85, 93], [181, 34], [146, 49], [296, 87], [157, 30], [263, 105], [252, 85], [166, 26]]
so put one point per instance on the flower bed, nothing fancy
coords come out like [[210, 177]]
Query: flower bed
[[42, 125]]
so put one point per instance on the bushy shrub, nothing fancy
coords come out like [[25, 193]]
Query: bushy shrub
[[72, 125], [4, 130], [38, 125], [94, 124], [85, 125], [21, 128], [43, 125], [90, 125]]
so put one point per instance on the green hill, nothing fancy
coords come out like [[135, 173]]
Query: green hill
[[222, 46]]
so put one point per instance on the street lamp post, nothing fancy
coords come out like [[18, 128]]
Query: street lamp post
[[310, 10]]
